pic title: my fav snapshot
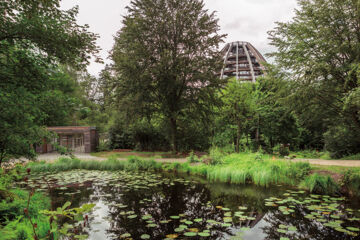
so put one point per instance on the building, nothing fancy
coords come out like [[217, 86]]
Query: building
[[79, 139], [243, 61]]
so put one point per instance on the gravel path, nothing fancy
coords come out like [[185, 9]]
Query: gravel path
[[342, 163]]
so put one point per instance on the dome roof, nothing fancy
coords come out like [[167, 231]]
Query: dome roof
[[243, 61]]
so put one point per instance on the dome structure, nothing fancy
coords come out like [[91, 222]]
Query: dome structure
[[243, 61]]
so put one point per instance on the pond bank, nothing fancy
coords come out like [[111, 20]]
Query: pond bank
[[235, 169]]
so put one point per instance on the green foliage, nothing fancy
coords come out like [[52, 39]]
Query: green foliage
[[103, 146], [320, 184], [281, 150], [324, 88], [244, 168], [192, 158], [351, 181], [112, 164], [341, 141], [311, 154], [71, 213], [15, 224], [216, 156], [158, 79], [36, 37]]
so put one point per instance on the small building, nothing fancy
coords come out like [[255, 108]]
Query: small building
[[79, 139]]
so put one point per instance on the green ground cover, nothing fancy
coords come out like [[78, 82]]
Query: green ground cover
[[146, 155], [14, 221]]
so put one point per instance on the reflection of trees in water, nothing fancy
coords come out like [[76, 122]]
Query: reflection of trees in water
[[306, 228], [165, 202]]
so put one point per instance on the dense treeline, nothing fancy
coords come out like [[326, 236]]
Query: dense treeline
[[162, 90], [42, 50], [309, 98]]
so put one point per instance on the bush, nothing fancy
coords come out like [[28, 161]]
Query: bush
[[351, 181], [103, 146], [341, 141], [281, 150], [216, 156], [192, 158]]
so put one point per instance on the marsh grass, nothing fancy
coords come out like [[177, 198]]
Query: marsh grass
[[320, 184], [351, 181], [248, 168], [111, 164]]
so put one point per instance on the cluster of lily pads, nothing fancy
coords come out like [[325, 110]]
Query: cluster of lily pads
[[185, 227], [322, 209]]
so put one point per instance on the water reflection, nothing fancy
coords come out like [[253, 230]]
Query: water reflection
[[191, 199]]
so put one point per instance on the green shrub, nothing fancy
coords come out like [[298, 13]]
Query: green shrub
[[103, 146], [216, 156], [351, 181], [281, 150], [192, 158], [342, 141]]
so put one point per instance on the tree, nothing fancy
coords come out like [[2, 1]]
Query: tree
[[35, 38], [320, 49], [166, 61], [239, 106]]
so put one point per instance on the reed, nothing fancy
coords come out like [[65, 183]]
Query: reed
[[112, 164], [320, 184]]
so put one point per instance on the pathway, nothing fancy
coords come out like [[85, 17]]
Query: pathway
[[342, 163]]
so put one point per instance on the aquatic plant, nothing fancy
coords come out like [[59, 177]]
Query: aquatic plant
[[320, 184], [351, 181], [239, 170]]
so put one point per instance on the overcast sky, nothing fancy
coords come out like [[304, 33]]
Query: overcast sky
[[242, 20]]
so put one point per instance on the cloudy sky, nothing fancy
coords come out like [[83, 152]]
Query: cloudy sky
[[242, 20]]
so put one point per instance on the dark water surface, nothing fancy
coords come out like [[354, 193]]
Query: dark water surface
[[133, 205]]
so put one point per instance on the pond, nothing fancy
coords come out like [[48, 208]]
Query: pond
[[144, 205]]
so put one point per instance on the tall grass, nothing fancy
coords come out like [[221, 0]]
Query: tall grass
[[351, 181], [112, 164], [246, 168], [320, 184]]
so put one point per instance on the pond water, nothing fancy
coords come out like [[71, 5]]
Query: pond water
[[143, 205]]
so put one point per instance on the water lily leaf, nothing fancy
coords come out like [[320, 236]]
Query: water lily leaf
[[125, 235], [204, 234], [190, 234], [226, 225], [354, 229], [292, 228], [145, 236], [172, 236]]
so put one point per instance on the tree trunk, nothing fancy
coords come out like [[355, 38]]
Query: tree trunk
[[2, 156], [173, 126], [238, 136]]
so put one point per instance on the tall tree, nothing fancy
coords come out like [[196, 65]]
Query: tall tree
[[239, 106], [320, 48], [166, 59], [35, 38]]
